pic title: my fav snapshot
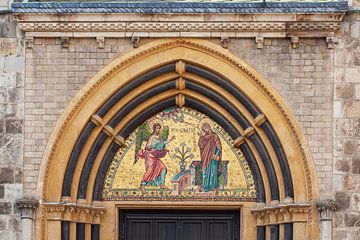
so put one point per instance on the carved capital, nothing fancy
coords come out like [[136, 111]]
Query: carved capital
[[282, 213], [326, 208], [73, 212], [27, 207]]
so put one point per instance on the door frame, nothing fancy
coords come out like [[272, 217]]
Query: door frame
[[182, 213], [243, 208]]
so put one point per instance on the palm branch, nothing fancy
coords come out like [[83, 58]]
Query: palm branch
[[142, 134]]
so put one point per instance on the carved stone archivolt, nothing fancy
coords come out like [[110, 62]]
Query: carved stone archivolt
[[73, 212], [286, 213], [141, 60]]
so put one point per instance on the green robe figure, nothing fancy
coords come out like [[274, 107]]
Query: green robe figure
[[210, 152]]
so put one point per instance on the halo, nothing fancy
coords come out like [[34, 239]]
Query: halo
[[153, 121], [206, 120]]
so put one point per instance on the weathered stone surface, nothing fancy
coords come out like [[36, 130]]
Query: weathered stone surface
[[351, 219], [8, 46], [342, 165], [353, 108], [2, 190], [352, 75], [14, 64], [347, 127], [6, 175], [344, 90], [5, 208], [350, 182], [18, 175], [13, 126], [13, 192], [350, 147], [343, 199], [8, 29], [356, 166]]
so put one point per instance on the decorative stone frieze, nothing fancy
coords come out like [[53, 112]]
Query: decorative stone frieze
[[137, 26], [269, 215], [73, 212]]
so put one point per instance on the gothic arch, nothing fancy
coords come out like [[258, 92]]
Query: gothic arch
[[164, 73]]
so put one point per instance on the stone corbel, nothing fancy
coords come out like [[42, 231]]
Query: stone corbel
[[225, 42], [295, 41], [100, 42], [29, 42], [135, 40], [65, 42], [259, 40], [331, 42]]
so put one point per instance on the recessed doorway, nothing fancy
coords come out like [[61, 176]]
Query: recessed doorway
[[179, 225]]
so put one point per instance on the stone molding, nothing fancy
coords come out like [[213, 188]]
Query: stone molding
[[204, 25], [178, 26], [282, 213], [326, 208], [27, 207], [73, 212]]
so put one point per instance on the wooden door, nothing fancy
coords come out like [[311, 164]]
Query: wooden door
[[179, 225]]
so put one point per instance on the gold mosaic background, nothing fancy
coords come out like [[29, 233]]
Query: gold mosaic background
[[124, 177]]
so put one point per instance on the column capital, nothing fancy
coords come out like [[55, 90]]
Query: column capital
[[27, 207], [326, 207]]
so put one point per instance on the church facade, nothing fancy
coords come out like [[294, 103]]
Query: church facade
[[180, 120]]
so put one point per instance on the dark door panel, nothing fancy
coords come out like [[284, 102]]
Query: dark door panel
[[192, 230], [165, 229], [179, 225]]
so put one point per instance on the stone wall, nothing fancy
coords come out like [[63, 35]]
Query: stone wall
[[303, 77], [54, 74], [11, 126], [347, 129]]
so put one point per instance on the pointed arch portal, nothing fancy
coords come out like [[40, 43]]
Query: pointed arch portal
[[193, 74]]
